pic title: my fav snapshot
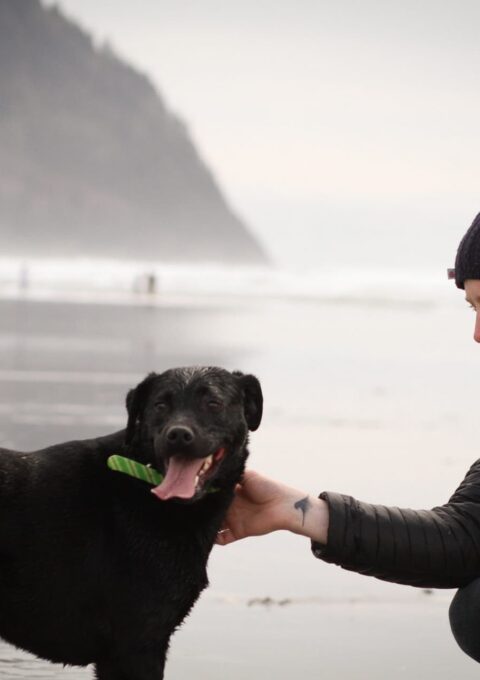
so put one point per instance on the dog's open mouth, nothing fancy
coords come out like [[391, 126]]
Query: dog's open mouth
[[186, 477]]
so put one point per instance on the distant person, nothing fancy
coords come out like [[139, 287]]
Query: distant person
[[437, 548], [151, 284], [146, 283]]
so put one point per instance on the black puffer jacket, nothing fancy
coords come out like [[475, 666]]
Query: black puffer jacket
[[438, 548]]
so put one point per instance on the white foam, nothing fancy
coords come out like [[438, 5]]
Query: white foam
[[121, 282]]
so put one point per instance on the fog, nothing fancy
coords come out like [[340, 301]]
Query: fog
[[337, 128]]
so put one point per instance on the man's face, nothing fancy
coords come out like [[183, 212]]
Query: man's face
[[472, 296]]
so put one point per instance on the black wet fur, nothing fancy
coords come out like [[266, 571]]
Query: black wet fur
[[93, 567]]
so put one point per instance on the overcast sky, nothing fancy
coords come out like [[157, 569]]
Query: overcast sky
[[315, 111]]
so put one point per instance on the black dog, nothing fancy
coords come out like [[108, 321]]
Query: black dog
[[94, 567]]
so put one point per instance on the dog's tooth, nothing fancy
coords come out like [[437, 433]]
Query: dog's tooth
[[206, 465]]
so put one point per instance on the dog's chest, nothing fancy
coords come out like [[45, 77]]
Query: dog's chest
[[155, 581]]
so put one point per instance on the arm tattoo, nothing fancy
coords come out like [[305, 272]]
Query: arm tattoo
[[304, 505]]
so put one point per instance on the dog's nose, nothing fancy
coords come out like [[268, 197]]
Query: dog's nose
[[180, 434]]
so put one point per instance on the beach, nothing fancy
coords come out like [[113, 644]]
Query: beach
[[362, 396]]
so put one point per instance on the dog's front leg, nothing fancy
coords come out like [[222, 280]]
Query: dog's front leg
[[132, 666]]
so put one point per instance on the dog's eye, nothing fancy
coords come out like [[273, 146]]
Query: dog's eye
[[215, 404], [161, 406]]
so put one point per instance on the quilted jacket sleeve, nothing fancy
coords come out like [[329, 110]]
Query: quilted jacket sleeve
[[438, 548]]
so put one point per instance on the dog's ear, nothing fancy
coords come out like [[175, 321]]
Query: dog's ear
[[252, 399], [135, 402]]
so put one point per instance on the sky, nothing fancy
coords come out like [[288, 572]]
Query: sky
[[335, 124]]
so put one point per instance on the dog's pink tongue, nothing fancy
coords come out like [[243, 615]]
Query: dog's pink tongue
[[179, 481]]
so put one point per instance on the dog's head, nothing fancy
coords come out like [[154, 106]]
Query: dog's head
[[193, 423]]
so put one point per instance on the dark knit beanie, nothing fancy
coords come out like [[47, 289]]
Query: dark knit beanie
[[467, 262]]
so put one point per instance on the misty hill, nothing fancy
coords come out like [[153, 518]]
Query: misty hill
[[92, 160]]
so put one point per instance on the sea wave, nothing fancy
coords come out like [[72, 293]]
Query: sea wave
[[116, 282]]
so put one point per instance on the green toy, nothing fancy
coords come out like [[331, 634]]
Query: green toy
[[135, 469]]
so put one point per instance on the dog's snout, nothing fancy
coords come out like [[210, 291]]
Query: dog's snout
[[180, 434]]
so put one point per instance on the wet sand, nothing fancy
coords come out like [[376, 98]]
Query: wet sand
[[367, 400]]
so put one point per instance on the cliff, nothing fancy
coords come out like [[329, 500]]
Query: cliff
[[92, 160]]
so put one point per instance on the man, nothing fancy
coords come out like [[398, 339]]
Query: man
[[438, 548]]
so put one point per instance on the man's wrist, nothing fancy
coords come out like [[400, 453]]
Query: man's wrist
[[306, 515]]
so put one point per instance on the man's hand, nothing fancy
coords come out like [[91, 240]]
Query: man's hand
[[262, 505]]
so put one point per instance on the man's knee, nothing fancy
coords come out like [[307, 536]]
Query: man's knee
[[464, 616]]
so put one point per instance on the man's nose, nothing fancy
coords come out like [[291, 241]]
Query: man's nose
[[476, 334]]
